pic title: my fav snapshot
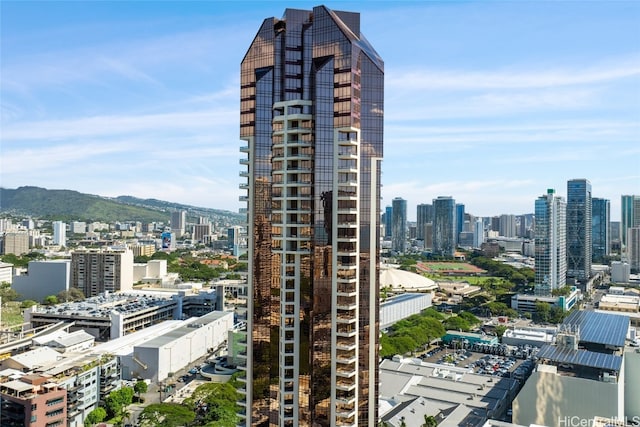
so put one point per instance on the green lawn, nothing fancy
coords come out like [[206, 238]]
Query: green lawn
[[11, 314]]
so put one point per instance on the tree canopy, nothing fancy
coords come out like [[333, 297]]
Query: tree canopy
[[166, 415]]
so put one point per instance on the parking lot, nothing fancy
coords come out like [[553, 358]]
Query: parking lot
[[494, 360]]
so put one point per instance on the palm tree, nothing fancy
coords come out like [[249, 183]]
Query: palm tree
[[430, 421]]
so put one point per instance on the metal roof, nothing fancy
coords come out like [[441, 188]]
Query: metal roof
[[599, 328], [585, 358]]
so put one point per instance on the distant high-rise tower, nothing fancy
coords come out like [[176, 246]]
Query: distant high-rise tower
[[178, 222], [550, 243], [59, 233], [311, 114], [508, 225], [388, 219], [399, 225], [424, 216], [478, 233], [444, 226], [579, 230], [633, 248], [630, 216], [459, 220], [600, 226], [96, 271]]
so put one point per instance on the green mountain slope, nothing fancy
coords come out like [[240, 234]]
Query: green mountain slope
[[68, 205]]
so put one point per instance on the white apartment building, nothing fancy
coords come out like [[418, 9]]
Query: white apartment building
[[59, 233]]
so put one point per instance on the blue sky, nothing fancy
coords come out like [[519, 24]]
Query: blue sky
[[490, 102]]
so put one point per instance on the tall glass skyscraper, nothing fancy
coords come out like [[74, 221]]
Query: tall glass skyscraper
[[312, 118], [579, 230], [600, 226], [550, 243], [424, 216], [459, 220], [388, 218], [444, 226], [630, 215], [399, 225]]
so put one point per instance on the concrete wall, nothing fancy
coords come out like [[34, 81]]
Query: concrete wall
[[632, 385], [556, 400], [44, 278], [391, 313]]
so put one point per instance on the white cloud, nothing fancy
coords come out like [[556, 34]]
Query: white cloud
[[119, 124], [430, 79]]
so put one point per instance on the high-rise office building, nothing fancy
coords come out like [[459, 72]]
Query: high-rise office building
[[201, 232], [444, 226], [579, 230], [312, 119], [178, 222], [633, 248], [550, 243], [478, 233], [234, 235], [508, 225], [630, 215], [388, 218], [399, 225], [459, 220], [59, 233], [600, 226], [424, 216], [95, 271]]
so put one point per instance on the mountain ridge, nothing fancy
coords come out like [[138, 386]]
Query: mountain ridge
[[67, 205]]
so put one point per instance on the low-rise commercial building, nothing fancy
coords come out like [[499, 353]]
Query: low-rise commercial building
[[175, 349], [535, 337], [526, 302], [411, 389], [402, 306]]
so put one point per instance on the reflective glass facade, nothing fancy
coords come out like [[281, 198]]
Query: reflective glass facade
[[444, 226], [600, 226], [399, 225], [424, 215], [579, 229], [312, 121], [550, 243], [630, 215]]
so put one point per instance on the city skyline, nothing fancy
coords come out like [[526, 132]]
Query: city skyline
[[142, 99]]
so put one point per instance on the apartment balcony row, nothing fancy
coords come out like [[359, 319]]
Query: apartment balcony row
[[345, 384], [345, 371]]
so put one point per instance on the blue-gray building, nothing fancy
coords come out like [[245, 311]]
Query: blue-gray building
[[388, 217], [600, 226], [444, 226], [399, 225], [579, 230], [424, 216], [459, 220]]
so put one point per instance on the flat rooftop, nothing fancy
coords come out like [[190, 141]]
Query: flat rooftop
[[598, 328], [585, 358], [186, 328], [101, 306]]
